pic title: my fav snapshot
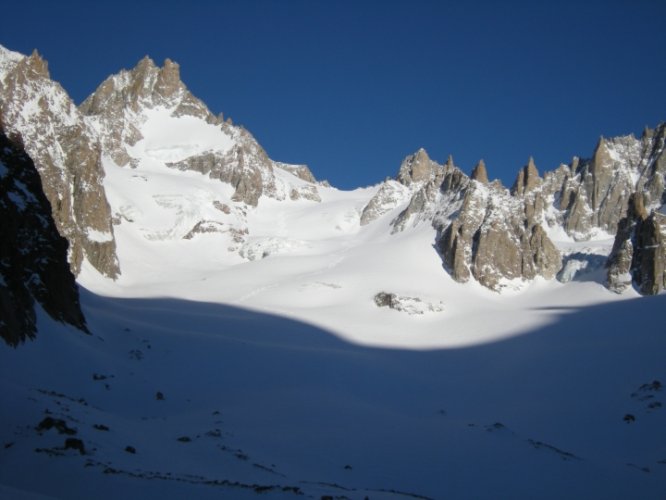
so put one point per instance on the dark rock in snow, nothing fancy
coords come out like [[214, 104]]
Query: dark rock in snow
[[75, 444]]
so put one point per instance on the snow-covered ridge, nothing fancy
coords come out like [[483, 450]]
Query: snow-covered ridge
[[8, 60]]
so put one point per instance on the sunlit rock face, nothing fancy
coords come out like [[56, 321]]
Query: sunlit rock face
[[66, 154]]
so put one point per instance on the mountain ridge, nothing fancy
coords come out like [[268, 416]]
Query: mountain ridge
[[147, 118]]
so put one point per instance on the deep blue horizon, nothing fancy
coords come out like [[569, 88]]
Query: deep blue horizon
[[351, 88]]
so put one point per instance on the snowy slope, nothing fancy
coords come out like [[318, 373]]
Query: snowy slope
[[255, 402], [182, 236]]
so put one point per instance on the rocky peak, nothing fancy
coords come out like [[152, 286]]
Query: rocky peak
[[124, 103], [527, 179], [602, 186], [417, 183], [67, 156], [146, 86], [29, 68], [117, 106], [480, 173], [417, 168], [168, 78], [602, 155], [37, 65]]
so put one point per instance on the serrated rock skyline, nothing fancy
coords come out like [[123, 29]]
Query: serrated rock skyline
[[483, 230]]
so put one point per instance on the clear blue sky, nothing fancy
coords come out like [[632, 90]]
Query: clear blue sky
[[351, 87]]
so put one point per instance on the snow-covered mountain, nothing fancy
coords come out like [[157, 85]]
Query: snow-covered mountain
[[255, 330]]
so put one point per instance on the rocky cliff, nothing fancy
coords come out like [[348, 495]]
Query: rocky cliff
[[495, 235], [639, 252], [484, 230], [33, 255], [66, 154]]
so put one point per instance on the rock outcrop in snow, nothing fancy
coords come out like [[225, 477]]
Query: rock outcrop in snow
[[66, 153], [495, 235], [33, 255], [484, 231], [409, 305]]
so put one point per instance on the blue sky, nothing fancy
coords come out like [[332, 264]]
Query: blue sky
[[352, 87]]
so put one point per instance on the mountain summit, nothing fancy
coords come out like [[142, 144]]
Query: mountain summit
[[134, 110]]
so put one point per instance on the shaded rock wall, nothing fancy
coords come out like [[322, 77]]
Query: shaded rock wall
[[33, 255]]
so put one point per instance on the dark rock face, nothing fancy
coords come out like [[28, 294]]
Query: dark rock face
[[67, 156], [639, 253], [649, 261], [33, 255]]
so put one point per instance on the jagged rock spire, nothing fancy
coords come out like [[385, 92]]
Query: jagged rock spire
[[168, 78], [37, 64], [417, 168], [527, 179], [480, 173]]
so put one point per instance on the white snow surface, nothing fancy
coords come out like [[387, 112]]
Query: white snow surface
[[8, 60], [168, 138], [278, 370]]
